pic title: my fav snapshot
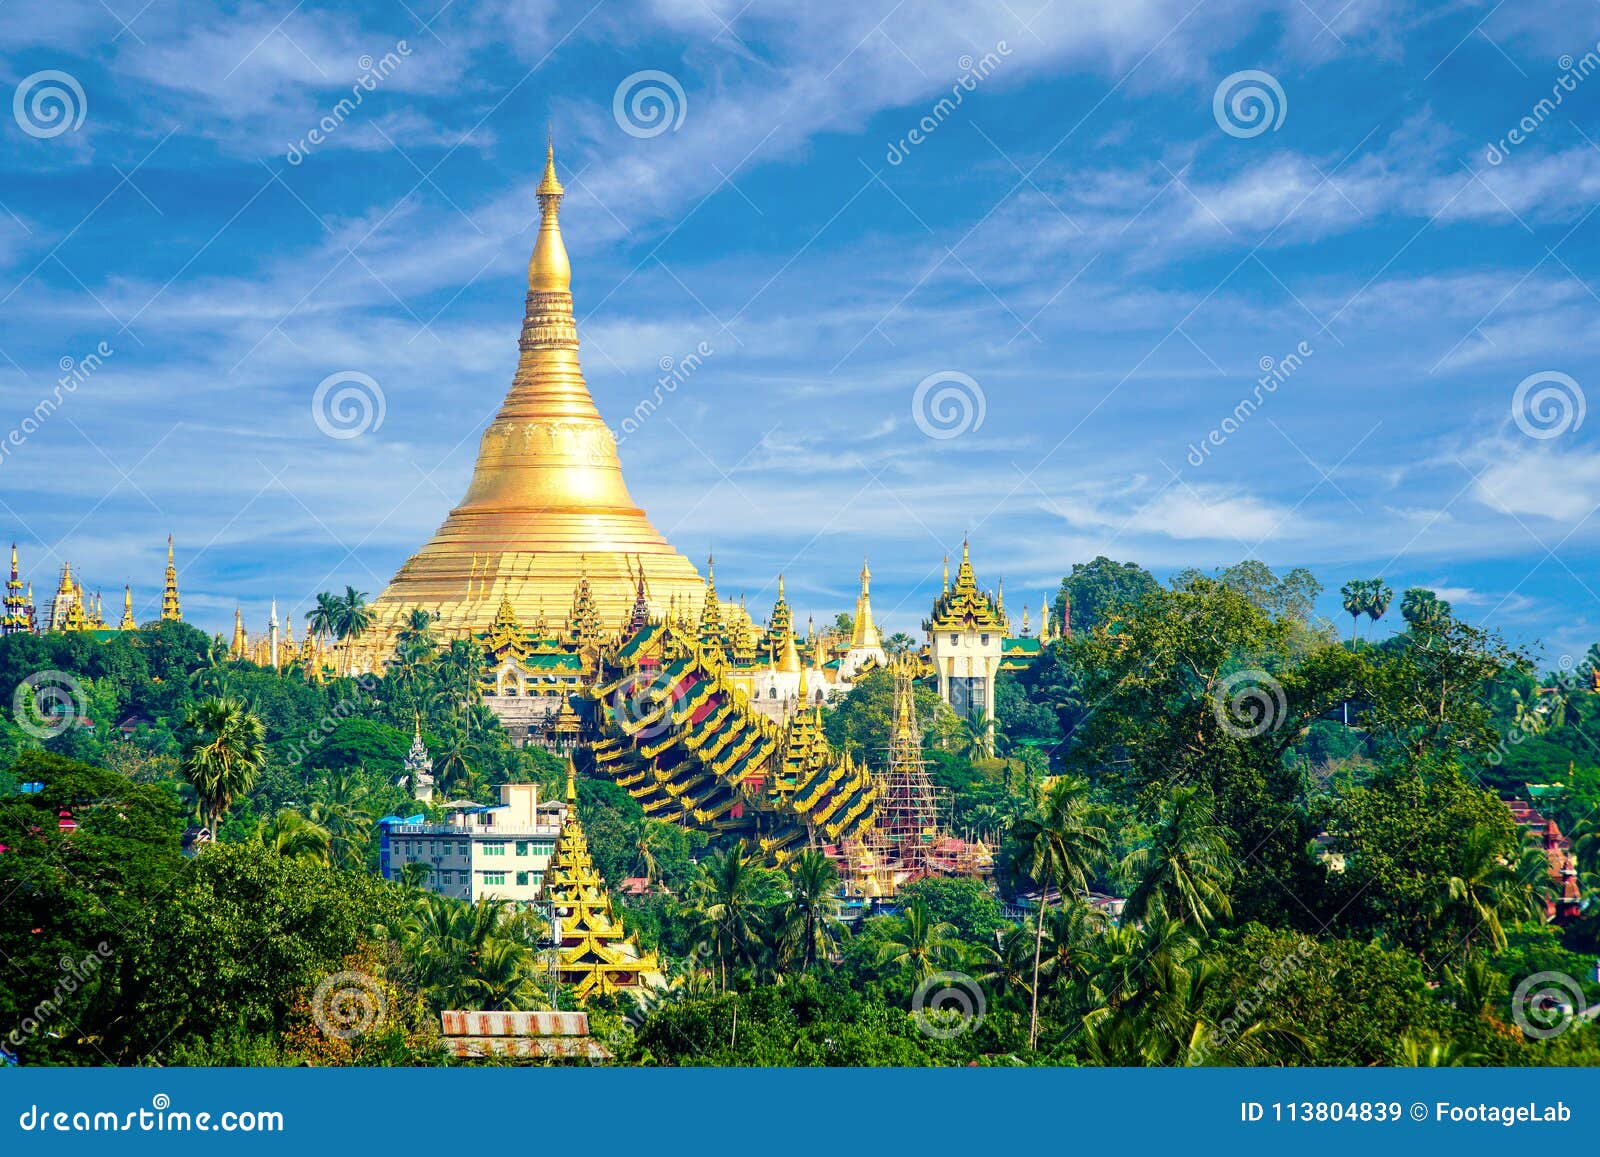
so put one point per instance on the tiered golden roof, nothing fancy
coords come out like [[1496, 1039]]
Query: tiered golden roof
[[19, 615], [684, 743], [547, 490], [597, 954], [964, 607]]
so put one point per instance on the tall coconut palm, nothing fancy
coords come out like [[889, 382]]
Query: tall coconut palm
[[323, 619], [353, 618], [1059, 843], [1184, 871], [224, 747], [1378, 596], [921, 943], [808, 920], [1353, 596], [729, 915]]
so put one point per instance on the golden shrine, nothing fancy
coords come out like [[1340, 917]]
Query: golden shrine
[[547, 503], [595, 953]]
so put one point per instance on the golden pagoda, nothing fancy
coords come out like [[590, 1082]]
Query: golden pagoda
[[547, 502], [18, 616], [596, 953], [127, 623], [171, 608], [864, 634]]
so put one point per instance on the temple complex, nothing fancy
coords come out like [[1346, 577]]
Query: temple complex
[[547, 504], [73, 608]]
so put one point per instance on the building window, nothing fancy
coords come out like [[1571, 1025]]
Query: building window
[[490, 878], [983, 640], [955, 640], [522, 847], [495, 848], [522, 879]]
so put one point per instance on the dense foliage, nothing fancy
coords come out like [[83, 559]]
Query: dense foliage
[[1223, 833]]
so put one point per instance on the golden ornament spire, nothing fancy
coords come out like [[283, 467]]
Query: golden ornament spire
[[865, 633], [547, 487], [127, 623], [171, 608]]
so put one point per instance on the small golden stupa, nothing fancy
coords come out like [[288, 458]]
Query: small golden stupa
[[547, 507]]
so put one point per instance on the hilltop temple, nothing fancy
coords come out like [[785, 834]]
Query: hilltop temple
[[73, 609], [547, 503]]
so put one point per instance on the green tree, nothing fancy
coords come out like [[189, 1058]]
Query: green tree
[[916, 941], [1183, 873], [1097, 591], [224, 747], [808, 918], [1059, 844]]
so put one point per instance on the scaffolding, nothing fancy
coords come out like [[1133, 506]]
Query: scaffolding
[[909, 813]]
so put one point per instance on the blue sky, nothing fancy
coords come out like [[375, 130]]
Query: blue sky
[[1084, 247]]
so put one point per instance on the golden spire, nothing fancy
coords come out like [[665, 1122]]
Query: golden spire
[[547, 486], [946, 584], [171, 608], [572, 784], [549, 271], [127, 623], [865, 633]]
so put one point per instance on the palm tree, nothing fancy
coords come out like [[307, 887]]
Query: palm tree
[[977, 738], [1354, 599], [341, 808], [293, 836], [987, 820], [899, 644], [808, 921], [648, 836], [1378, 596], [1169, 1025], [1484, 888], [353, 618], [224, 747], [1184, 872], [918, 941], [1059, 842], [1421, 608], [504, 976], [323, 619], [729, 915]]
